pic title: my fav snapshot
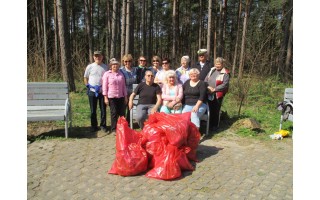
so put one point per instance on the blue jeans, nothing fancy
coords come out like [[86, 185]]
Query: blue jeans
[[195, 117]]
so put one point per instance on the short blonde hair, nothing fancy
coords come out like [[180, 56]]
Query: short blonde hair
[[194, 71], [127, 57], [219, 60], [156, 58], [171, 73]]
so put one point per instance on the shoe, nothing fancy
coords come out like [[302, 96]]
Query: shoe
[[101, 134], [94, 129], [103, 128]]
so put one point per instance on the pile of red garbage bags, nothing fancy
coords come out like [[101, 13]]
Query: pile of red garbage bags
[[165, 147]]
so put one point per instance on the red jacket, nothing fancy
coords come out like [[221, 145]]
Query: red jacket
[[219, 81]]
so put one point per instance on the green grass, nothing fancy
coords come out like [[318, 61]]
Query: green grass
[[261, 105]]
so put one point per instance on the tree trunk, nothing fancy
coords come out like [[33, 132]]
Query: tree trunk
[[175, 28], [288, 66], [45, 49], [209, 27], [237, 40], [123, 27], [87, 15], [200, 25], [242, 52], [56, 39], [150, 45], [127, 45], [66, 62], [143, 28]]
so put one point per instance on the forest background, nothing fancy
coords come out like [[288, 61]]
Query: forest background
[[14, 50]]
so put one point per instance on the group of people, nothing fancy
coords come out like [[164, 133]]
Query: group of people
[[160, 88]]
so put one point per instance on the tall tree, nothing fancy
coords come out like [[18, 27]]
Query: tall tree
[[45, 48], [87, 15], [66, 62], [235, 54], [127, 46], [209, 26], [123, 27], [242, 52], [175, 28]]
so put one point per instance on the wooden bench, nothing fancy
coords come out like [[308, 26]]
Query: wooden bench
[[49, 101], [133, 112]]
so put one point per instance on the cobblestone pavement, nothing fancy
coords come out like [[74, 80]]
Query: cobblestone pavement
[[229, 168]]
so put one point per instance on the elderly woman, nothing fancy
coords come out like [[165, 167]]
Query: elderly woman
[[183, 71], [149, 98], [218, 83], [172, 94], [115, 92], [194, 97], [130, 75]]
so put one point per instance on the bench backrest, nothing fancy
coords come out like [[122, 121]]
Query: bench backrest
[[47, 93], [288, 94]]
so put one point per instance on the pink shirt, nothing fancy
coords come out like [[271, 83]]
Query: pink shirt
[[113, 84], [166, 93]]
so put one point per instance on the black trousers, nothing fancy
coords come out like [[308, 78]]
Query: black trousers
[[117, 108], [93, 101], [214, 107]]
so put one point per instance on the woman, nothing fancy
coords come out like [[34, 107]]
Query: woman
[[160, 76], [218, 83], [183, 71], [194, 97], [115, 92], [172, 94], [149, 98], [130, 74], [156, 60]]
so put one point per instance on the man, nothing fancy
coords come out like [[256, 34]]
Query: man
[[141, 69], [203, 65], [93, 81]]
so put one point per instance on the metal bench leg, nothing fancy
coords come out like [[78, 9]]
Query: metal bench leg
[[131, 120], [66, 127]]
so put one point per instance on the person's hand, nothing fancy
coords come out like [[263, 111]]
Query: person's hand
[[211, 89], [153, 110], [195, 109], [170, 104], [106, 100], [125, 100]]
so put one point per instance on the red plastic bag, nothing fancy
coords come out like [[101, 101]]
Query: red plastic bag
[[183, 160], [166, 165], [131, 158], [193, 141]]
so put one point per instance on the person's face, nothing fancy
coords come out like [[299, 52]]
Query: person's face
[[98, 58], [114, 67], [202, 58], [218, 66], [194, 77], [142, 61], [149, 77], [127, 62], [171, 80], [184, 63], [165, 65], [155, 62]]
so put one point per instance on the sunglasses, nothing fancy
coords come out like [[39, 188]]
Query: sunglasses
[[127, 61], [155, 61], [149, 75], [143, 60]]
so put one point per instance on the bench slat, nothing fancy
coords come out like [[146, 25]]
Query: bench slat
[[32, 108], [46, 102], [47, 96], [47, 84]]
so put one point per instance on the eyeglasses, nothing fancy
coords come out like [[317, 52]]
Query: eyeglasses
[[164, 63], [143, 60], [155, 61], [127, 61], [149, 75]]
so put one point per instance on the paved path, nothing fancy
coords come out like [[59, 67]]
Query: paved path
[[229, 168]]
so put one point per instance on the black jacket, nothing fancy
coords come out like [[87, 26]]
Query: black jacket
[[205, 70]]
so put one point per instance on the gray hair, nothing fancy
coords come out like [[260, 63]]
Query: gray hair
[[186, 58], [194, 71], [171, 73], [220, 60]]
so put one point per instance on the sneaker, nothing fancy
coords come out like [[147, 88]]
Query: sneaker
[[101, 134]]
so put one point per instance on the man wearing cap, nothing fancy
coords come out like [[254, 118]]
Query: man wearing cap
[[203, 64], [93, 81]]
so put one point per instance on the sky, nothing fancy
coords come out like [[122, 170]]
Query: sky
[[13, 146]]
